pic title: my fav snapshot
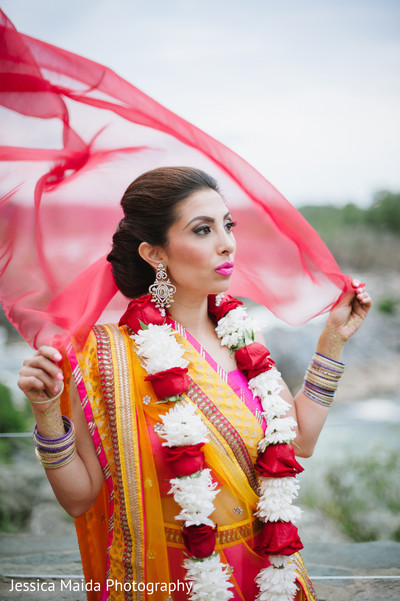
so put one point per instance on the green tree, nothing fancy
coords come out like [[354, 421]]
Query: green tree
[[384, 211], [352, 214], [11, 418]]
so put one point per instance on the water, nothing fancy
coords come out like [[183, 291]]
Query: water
[[359, 428]]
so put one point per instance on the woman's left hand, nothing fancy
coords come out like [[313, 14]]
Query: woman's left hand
[[348, 315]]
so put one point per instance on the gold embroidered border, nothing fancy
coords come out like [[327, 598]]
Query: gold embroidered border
[[108, 386], [131, 459], [304, 578], [224, 536], [223, 426]]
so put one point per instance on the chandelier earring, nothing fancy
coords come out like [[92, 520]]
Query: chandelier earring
[[162, 290]]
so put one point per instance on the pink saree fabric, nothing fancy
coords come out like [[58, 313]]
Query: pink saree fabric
[[73, 136]]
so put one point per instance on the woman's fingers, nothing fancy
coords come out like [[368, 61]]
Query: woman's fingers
[[361, 294], [40, 373], [363, 298], [48, 352], [39, 379]]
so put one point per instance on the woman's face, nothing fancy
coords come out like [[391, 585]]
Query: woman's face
[[201, 246]]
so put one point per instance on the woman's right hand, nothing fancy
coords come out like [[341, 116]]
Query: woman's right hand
[[40, 378]]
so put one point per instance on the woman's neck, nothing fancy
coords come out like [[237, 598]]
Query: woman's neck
[[192, 314]]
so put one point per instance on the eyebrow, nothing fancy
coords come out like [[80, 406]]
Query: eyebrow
[[206, 219]]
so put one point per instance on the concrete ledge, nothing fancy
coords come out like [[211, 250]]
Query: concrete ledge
[[362, 571], [46, 568]]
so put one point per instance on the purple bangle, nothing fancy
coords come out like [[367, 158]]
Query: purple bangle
[[329, 393], [57, 449], [66, 421], [329, 368], [329, 359]]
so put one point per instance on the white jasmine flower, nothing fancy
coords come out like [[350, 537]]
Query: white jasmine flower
[[232, 340], [210, 579], [276, 498], [274, 406], [159, 349], [266, 383], [236, 328], [279, 560], [278, 431], [267, 388], [182, 426], [195, 495], [276, 584]]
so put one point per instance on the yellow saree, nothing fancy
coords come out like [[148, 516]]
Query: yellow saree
[[129, 540]]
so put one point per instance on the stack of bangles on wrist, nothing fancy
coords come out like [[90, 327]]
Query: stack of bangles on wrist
[[57, 452], [322, 379]]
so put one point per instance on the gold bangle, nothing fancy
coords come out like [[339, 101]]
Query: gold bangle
[[51, 465]]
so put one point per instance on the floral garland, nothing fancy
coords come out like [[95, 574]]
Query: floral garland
[[185, 433]]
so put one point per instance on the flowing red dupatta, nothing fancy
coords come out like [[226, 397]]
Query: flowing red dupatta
[[74, 135]]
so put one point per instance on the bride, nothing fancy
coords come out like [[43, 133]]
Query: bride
[[171, 437]]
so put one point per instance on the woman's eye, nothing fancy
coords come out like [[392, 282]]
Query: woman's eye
[[202, 230], [229, 225]]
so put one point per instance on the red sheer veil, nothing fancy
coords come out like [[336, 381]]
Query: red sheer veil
[[74, 135]]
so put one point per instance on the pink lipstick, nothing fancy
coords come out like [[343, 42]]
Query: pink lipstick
[[225, 269]]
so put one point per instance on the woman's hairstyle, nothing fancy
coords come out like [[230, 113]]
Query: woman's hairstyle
[[150, 206]]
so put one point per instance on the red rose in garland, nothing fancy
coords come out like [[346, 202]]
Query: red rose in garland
[[172, 382], [184, 461], [199, 540], [279, 538], [278, 461], [141, 310], [253, 359], [219, 309]]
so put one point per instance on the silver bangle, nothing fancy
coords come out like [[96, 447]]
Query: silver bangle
[[48, 400]]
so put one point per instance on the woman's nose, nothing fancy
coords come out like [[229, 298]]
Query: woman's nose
[[227, 243]]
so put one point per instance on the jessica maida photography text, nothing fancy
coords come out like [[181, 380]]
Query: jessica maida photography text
[[79, 585]]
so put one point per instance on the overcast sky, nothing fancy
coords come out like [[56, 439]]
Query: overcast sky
[[307, 91]]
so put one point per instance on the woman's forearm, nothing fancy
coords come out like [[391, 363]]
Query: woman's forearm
[[74, 486], [64, 447], [77, 483], [310, 418], [311, 414], [330, 344]]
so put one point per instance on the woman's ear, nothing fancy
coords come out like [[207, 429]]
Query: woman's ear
[[152, 254]]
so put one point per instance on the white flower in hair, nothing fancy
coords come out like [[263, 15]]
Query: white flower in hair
[[277, 584], [159, 349], [182, 426], [278, 431], [236, 328], [195, 495], [210, 579], [276, 498]]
